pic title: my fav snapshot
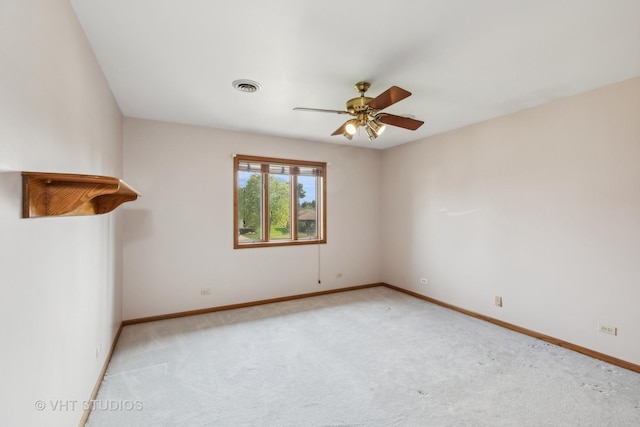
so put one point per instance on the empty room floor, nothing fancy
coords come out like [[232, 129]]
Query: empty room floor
[[370, 357]]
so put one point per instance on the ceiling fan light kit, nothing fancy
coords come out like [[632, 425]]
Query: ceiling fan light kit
[[366, 112], [352, 126], [376, 126]]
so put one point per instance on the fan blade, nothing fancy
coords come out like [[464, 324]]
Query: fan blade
[[341, 130], [403, 122], [320, 110], [389, 97]]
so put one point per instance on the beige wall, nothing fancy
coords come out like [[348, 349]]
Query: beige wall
[[59, 277], [541, 207], [179, 235]]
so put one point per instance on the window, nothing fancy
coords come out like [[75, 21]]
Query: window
[[278, 202]]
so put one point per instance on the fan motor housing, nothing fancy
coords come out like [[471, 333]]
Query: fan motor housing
[[359, 104]]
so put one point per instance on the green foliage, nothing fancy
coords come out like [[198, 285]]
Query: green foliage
[[279, 202], [249, 199], [249, 202]]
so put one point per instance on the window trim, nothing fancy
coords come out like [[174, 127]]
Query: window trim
[[321, 202]]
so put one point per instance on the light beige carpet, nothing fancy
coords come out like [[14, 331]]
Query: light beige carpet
[[372, 357]]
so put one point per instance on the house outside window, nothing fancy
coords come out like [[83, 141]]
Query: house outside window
[[278, 202]]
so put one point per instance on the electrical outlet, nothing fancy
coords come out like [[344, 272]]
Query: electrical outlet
[[423, 280], [498, 301], [205, 291], [611, 330], [97, 350]]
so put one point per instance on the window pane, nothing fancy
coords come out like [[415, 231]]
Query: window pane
[[307, 221], [279, 206], [249, 206]]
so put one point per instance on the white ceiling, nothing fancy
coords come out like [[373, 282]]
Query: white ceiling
[[464, 60]]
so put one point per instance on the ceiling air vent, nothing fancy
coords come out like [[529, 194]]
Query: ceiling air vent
[[248, 86]]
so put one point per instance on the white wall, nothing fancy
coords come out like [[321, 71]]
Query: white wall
[[541, 207], [179, 235], [59, 277]]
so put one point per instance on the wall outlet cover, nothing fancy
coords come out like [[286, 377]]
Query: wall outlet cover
[[606, 329]]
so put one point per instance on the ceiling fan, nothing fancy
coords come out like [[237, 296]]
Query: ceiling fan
[[367, 112]]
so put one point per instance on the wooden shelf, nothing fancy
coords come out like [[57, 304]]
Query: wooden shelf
[[60, 194]]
